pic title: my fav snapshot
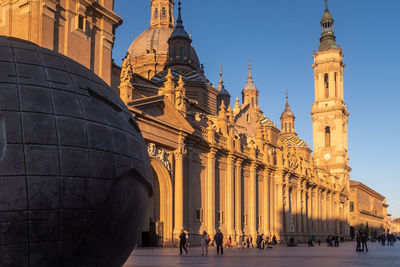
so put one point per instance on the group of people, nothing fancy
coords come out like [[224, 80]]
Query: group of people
[[218, 240], [390, 239], [362, 238], [333, 241]]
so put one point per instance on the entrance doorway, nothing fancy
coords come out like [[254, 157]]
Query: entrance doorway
[[157, 225]]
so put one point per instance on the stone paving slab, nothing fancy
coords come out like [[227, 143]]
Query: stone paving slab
[[302, 255]]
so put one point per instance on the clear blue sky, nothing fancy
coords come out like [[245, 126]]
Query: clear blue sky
[[279, 37]]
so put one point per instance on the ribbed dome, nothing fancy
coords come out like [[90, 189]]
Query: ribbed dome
[[327, 17], [152, 39]]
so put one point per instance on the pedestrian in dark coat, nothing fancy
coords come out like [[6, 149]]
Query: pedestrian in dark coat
[[219, 240], [182, 242], [364, 239], [358, 239]]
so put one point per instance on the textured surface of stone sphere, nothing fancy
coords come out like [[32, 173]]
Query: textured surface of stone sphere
[[75, 176]]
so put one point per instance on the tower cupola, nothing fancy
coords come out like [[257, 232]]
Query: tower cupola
[[223, 94], [287, 119], [181, 51], [250, 91], [328, 39], [162, 14]]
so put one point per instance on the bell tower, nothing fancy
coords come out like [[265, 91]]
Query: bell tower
[[329, 111], [162, 14]]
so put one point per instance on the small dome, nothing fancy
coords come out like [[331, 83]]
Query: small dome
[[327, 17], [224, 92], [152, 39], [287, 113]]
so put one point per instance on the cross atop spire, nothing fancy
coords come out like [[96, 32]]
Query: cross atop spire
[[221, 82], [250, 77], [326, 5], [287, 99], [179, 20]]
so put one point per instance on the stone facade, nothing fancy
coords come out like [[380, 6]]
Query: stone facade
[[395, 226], [231, 168], [83, 30], [367, 207]]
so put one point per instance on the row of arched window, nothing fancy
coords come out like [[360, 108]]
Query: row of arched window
[[163, 13]]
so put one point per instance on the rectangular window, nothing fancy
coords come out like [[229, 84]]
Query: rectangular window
[[199, 215], [351, 206], [244, 219], [181, 53], [81, 22]]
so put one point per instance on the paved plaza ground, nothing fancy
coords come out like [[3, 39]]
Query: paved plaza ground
[[302, 255]]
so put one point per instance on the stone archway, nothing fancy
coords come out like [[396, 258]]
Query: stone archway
[[161, 205]]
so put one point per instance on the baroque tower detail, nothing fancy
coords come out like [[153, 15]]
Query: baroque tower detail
[[329, 111], [148, 53]]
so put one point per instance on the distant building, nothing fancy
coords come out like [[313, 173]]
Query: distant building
[[395, 226], [367, 207]]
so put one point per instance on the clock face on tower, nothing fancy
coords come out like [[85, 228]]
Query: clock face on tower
[[327, 156]]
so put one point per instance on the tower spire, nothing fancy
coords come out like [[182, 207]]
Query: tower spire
[[328, 39], [250, 77], [287, 99], [221, 82], [179, 20]]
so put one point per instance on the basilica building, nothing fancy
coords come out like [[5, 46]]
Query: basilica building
[[218, 163], [222, 164]]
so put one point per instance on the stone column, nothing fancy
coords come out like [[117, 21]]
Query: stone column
[[286, 205], [210, 193], [309, 211], [337, 214], [279, 206], [315, 210], [272, 205], [229, 200], [238, 199], [252, 200], [299, 227], [304, 208], [266, 204], [323, 212], [178, 200]]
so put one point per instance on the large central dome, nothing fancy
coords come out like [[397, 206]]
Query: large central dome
[[153, 40]]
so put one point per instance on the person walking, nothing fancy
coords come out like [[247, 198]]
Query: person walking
[[219, 239], [358, 240], [205, 240], [182, 242], [364, 239]]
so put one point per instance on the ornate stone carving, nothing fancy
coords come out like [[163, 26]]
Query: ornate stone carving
[[126, 71], [159, 153]]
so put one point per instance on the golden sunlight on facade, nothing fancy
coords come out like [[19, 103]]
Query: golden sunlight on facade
[[367, 207], [218, 166], [83, 30]]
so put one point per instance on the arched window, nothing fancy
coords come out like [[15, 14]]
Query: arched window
[[285, 127], [290, 127], [248, 118], [252, 101], [156, 13], [326, 85], [174, 53], [336, 85], [163, 12], [327, 136]]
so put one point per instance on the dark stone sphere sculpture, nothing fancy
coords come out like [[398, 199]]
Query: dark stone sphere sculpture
[[75, 176]]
